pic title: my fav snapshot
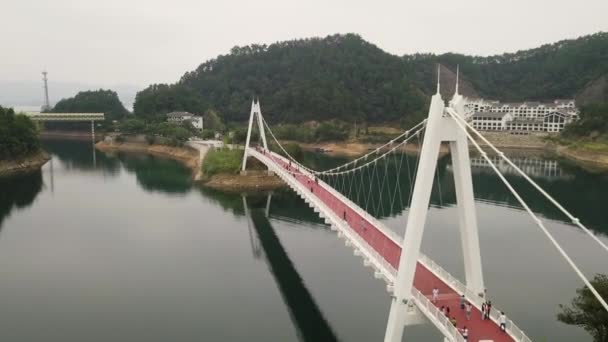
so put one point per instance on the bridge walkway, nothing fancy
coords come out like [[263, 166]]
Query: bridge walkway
[[386, 246]]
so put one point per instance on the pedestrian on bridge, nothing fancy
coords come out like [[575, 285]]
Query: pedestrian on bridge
[[462, 302], [468, 309], [344, 215], [435, 294], [488, 309], [465, 333], [483, 310], [503, 321]]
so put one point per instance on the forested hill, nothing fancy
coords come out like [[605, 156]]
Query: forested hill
[[94, 101], [569, 68], [339, 77], [345, 77]]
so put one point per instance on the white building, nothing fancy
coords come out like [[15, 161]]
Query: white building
[[490, 121], [179, 117], [521, 116]]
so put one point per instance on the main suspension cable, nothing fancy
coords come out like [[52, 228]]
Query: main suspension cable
[[573, 219], [537, 220]]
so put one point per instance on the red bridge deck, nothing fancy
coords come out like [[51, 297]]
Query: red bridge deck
[[425, 280]]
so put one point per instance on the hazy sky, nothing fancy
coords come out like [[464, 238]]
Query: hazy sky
[[140, 42]]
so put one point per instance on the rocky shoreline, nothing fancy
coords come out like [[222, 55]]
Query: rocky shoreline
[[23, 165]]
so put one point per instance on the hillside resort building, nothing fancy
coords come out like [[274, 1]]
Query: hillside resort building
[[179, 117], [521, 117]]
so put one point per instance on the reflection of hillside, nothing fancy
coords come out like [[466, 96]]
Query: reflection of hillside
[[79, 155], [157, 174], [18, 192], [589, 205]]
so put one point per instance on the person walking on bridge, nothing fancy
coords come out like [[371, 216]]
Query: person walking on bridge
[[503, 321], [488, 309], [465, 333], [468, 308], [435, 294], [462, 302]]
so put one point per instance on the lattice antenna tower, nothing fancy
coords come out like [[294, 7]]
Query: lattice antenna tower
[[47, 104]]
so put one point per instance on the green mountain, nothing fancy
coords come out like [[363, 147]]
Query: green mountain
[[344, 77], [569, 68], [337, 77], [97, 101]]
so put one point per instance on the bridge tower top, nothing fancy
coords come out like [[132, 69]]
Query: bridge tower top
[[254, 115]]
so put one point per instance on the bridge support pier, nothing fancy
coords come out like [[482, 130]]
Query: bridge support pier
[[439, 128]]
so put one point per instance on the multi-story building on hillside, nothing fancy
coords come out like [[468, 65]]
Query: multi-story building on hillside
[[178, 117], [521, 116]]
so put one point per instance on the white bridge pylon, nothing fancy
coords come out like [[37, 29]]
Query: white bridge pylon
[[440, 128], [255, 114], [396, 259]]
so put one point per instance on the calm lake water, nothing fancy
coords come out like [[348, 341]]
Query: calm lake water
[[98, 247]]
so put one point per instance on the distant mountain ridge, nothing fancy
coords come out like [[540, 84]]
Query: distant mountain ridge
[[345, 77]]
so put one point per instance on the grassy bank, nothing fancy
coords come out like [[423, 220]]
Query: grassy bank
[[221, 170], [222, 161]]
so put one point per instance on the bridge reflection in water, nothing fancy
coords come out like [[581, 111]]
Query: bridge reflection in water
[[304, 312]]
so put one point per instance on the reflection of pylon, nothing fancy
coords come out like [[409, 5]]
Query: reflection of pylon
[[47, 104]]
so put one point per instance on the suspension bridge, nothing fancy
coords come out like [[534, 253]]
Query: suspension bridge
[[351, 196]]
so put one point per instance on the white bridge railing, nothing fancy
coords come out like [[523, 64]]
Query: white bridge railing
[[379, 262], [473, 298]]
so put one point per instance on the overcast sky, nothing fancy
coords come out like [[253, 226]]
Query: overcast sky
[[139, 42]]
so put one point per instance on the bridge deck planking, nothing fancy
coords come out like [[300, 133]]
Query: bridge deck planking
[[425, 280]]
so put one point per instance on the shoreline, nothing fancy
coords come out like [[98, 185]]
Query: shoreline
[[186, 155], [24, 165], [192, 157], [590, 160]]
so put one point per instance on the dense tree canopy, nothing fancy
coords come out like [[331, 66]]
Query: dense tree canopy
[[97, 101], [18, 135], [558, 70], [593, 121], [585, 311], [339, 77], [346, 78]]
